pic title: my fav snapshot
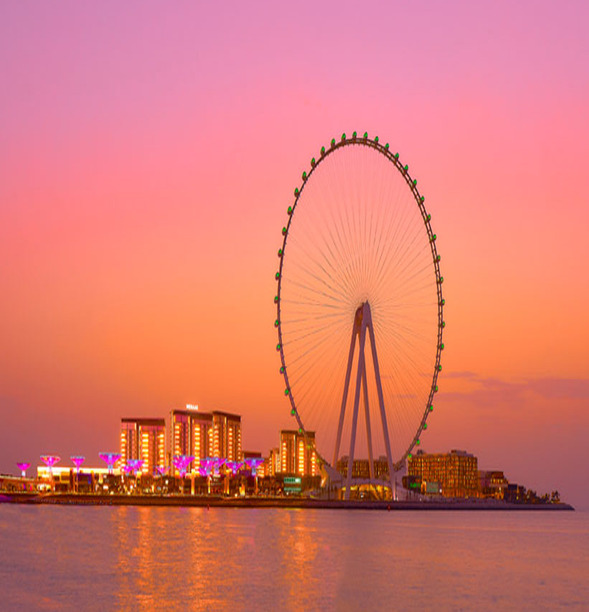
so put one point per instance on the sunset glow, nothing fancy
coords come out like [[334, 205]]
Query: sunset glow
[[147, 160]]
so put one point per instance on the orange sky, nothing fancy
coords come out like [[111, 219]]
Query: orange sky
[[147, 158]]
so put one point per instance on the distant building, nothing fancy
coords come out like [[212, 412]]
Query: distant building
[[361, 468], [144, 439], [455, 473], [297, 453], [226, 437], [273, 464], [190, 433], [493, 484]]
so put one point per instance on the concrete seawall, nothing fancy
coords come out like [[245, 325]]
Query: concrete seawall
[[272, 502]]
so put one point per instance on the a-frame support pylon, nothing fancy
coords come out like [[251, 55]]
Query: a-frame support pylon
[[362, 327]]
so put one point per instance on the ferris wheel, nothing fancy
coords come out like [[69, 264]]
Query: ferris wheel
[[359, 306]]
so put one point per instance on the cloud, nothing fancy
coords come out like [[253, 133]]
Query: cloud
[[461, 374], [498, 391], [562, 388]]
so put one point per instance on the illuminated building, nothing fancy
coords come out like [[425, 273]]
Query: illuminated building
[[255, 462], [190, 433], [226, 436], [493, 484], [144, 439], [455, 472], [361, 468], [297, 453], [273, 462]]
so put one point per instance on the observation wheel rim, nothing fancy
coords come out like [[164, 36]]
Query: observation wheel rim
[[384, 150]]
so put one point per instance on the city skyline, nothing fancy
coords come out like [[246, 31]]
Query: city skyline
[[146, 168]]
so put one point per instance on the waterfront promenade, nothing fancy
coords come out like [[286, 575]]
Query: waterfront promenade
[[272, 502]]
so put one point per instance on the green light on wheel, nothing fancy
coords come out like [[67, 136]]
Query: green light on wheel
[[425, 425], [296, 191], [431, 408], [442, 346], [313, 162], [418, 441], [322, 150], [409, 456], [300, 430], [438, 257], [439, 368], [414, 182], [279, 252], [354, 135], [443, 302], [433, 238], [436, 389], [343, 136], [276, 323], [443, 324], [333, 142], [278, 346], [365, 135], [376, 139], [441, 280], [284, 231], [429, 217], [276, 299], [282, 369], [277, 275], [289, 210], [286, 391], [396, 156], [422, 199], [304, 176], [405, 168], [292, 412]]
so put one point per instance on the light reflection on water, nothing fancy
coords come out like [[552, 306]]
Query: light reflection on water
[[133, 558]]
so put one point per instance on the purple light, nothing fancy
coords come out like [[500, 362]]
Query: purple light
[[50, 461], [110, 459], [23, 467], [162, 469], [135, 465], [181, 462], [128, 469], [206, 466], [234, 466], [254, 463], [77, 461]]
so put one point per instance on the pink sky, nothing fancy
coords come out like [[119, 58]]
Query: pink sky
[[147, 158]]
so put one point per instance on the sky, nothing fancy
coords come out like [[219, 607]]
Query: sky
[[148, 154]]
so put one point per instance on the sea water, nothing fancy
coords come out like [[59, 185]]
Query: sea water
[[149, 558]]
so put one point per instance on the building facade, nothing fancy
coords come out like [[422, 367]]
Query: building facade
[[456, 473], [297, 453], [361, 468], [144, 439], [190, 433], [226, 436]]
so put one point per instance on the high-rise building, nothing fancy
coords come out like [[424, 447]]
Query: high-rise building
[[190, 433], [144, 439], [273, 462], [201, 435], [226, 436], [456, 472], [297, 453]]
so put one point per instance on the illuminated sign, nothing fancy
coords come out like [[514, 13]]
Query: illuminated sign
[[292, 480], [191, 406]]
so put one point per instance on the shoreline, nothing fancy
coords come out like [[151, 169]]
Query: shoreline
[[89, 499]]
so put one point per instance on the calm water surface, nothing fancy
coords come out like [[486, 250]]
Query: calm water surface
[[116, 558]]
